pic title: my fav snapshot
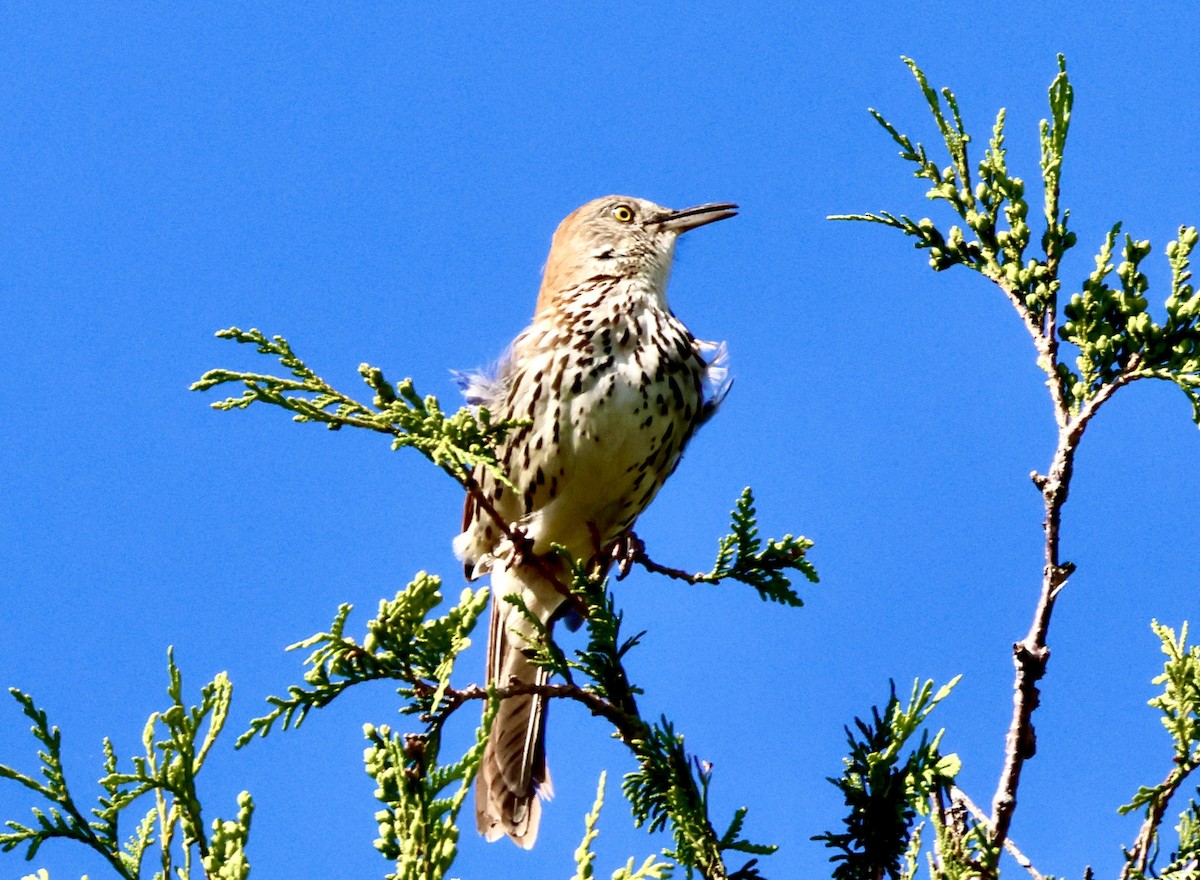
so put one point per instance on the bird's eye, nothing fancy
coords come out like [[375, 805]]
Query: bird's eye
[[622, 213]]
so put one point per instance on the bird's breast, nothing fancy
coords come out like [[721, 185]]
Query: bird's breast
[[611, 402]]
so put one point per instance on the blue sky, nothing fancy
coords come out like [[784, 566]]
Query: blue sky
[[380, 184]]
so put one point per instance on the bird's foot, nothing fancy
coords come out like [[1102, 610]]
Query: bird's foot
[[521, 551], [626, 551]]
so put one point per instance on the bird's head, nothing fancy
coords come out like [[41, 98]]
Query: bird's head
[[623, 237]]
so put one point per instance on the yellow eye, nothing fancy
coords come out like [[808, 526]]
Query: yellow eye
[[622, 213]]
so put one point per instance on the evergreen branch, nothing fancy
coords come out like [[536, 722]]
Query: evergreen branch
[[904, 223], [462, 443], [885, 792], [459, 444], [909, 151], [742, 556], [961, 849], [584, 857], [402, 644], [226, 859], [169, 770], [671, 787], [1179, 704], [956, 181], [418, 827], [456, 443], [65, 820], [1117, 340], [399, 639], [651, 868], [1185, 861], [1053, 137]]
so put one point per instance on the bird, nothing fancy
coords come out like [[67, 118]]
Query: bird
[[610, 386]]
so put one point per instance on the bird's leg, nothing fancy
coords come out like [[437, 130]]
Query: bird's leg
[[521, 553], [598, 552], [624, 551], [522, 547]]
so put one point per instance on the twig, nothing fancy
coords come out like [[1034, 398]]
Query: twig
[[629, 726], [960, 796], [631, 550], [634, 553]]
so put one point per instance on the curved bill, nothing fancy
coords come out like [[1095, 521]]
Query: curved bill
[[701, 215]]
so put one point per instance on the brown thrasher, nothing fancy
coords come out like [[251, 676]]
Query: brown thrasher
[[613, 386]]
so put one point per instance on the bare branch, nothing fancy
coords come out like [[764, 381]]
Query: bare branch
[[1031, 654]]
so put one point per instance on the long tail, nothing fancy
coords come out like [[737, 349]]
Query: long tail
[[513, 774]]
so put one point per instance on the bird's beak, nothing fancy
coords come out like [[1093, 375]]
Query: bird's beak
[[690, 218]]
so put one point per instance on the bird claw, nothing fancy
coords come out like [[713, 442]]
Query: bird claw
[[627, 550], [522, 547]]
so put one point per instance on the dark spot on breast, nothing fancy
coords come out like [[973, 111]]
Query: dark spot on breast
[[676, 392]]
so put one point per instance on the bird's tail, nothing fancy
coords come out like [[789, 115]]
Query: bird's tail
[[513, 773]]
